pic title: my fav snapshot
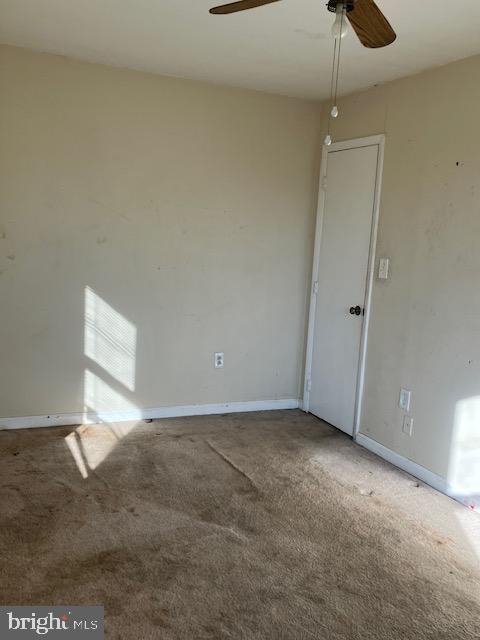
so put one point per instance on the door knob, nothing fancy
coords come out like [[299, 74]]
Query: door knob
[[356, 311]]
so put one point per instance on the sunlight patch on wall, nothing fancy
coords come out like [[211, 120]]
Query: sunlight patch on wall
[[110, 339], [464, 468], [110, 343], [106, 403]]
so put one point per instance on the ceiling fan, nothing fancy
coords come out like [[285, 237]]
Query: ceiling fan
[[368, 22]]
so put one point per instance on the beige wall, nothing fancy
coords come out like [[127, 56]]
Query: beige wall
[[425, 329], [173, 218], [146, 222]]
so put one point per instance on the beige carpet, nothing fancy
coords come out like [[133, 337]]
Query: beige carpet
[[223, 527]]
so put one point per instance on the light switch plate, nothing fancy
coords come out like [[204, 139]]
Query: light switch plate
[[405, 399], [383, 268]]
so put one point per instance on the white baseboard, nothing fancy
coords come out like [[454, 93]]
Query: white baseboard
[[416, 470], [70, 419]]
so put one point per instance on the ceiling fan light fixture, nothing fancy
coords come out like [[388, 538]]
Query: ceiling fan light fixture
[[367, 21]]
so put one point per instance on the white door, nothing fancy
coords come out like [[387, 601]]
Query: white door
[[339, 303]]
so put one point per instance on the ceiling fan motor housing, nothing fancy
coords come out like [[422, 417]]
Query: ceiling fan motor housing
[[332, 5]]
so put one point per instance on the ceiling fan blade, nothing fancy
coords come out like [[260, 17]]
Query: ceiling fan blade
[[370, 25], [233, 7]]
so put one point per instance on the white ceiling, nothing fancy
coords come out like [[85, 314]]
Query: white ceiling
[[283, 48]]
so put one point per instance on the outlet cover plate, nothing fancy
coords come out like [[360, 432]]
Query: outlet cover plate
[[408, 425]]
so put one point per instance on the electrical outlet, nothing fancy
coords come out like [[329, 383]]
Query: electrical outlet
[[219, 360], [408, 425], [405, 399]]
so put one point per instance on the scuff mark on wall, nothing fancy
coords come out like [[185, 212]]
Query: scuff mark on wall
[[109, 209], [312, 35]]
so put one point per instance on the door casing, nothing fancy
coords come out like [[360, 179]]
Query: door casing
[[378, 140]]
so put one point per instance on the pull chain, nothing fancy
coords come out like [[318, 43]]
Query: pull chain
[[337, 49]]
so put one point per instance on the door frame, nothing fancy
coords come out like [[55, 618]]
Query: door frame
[[370, 141]]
